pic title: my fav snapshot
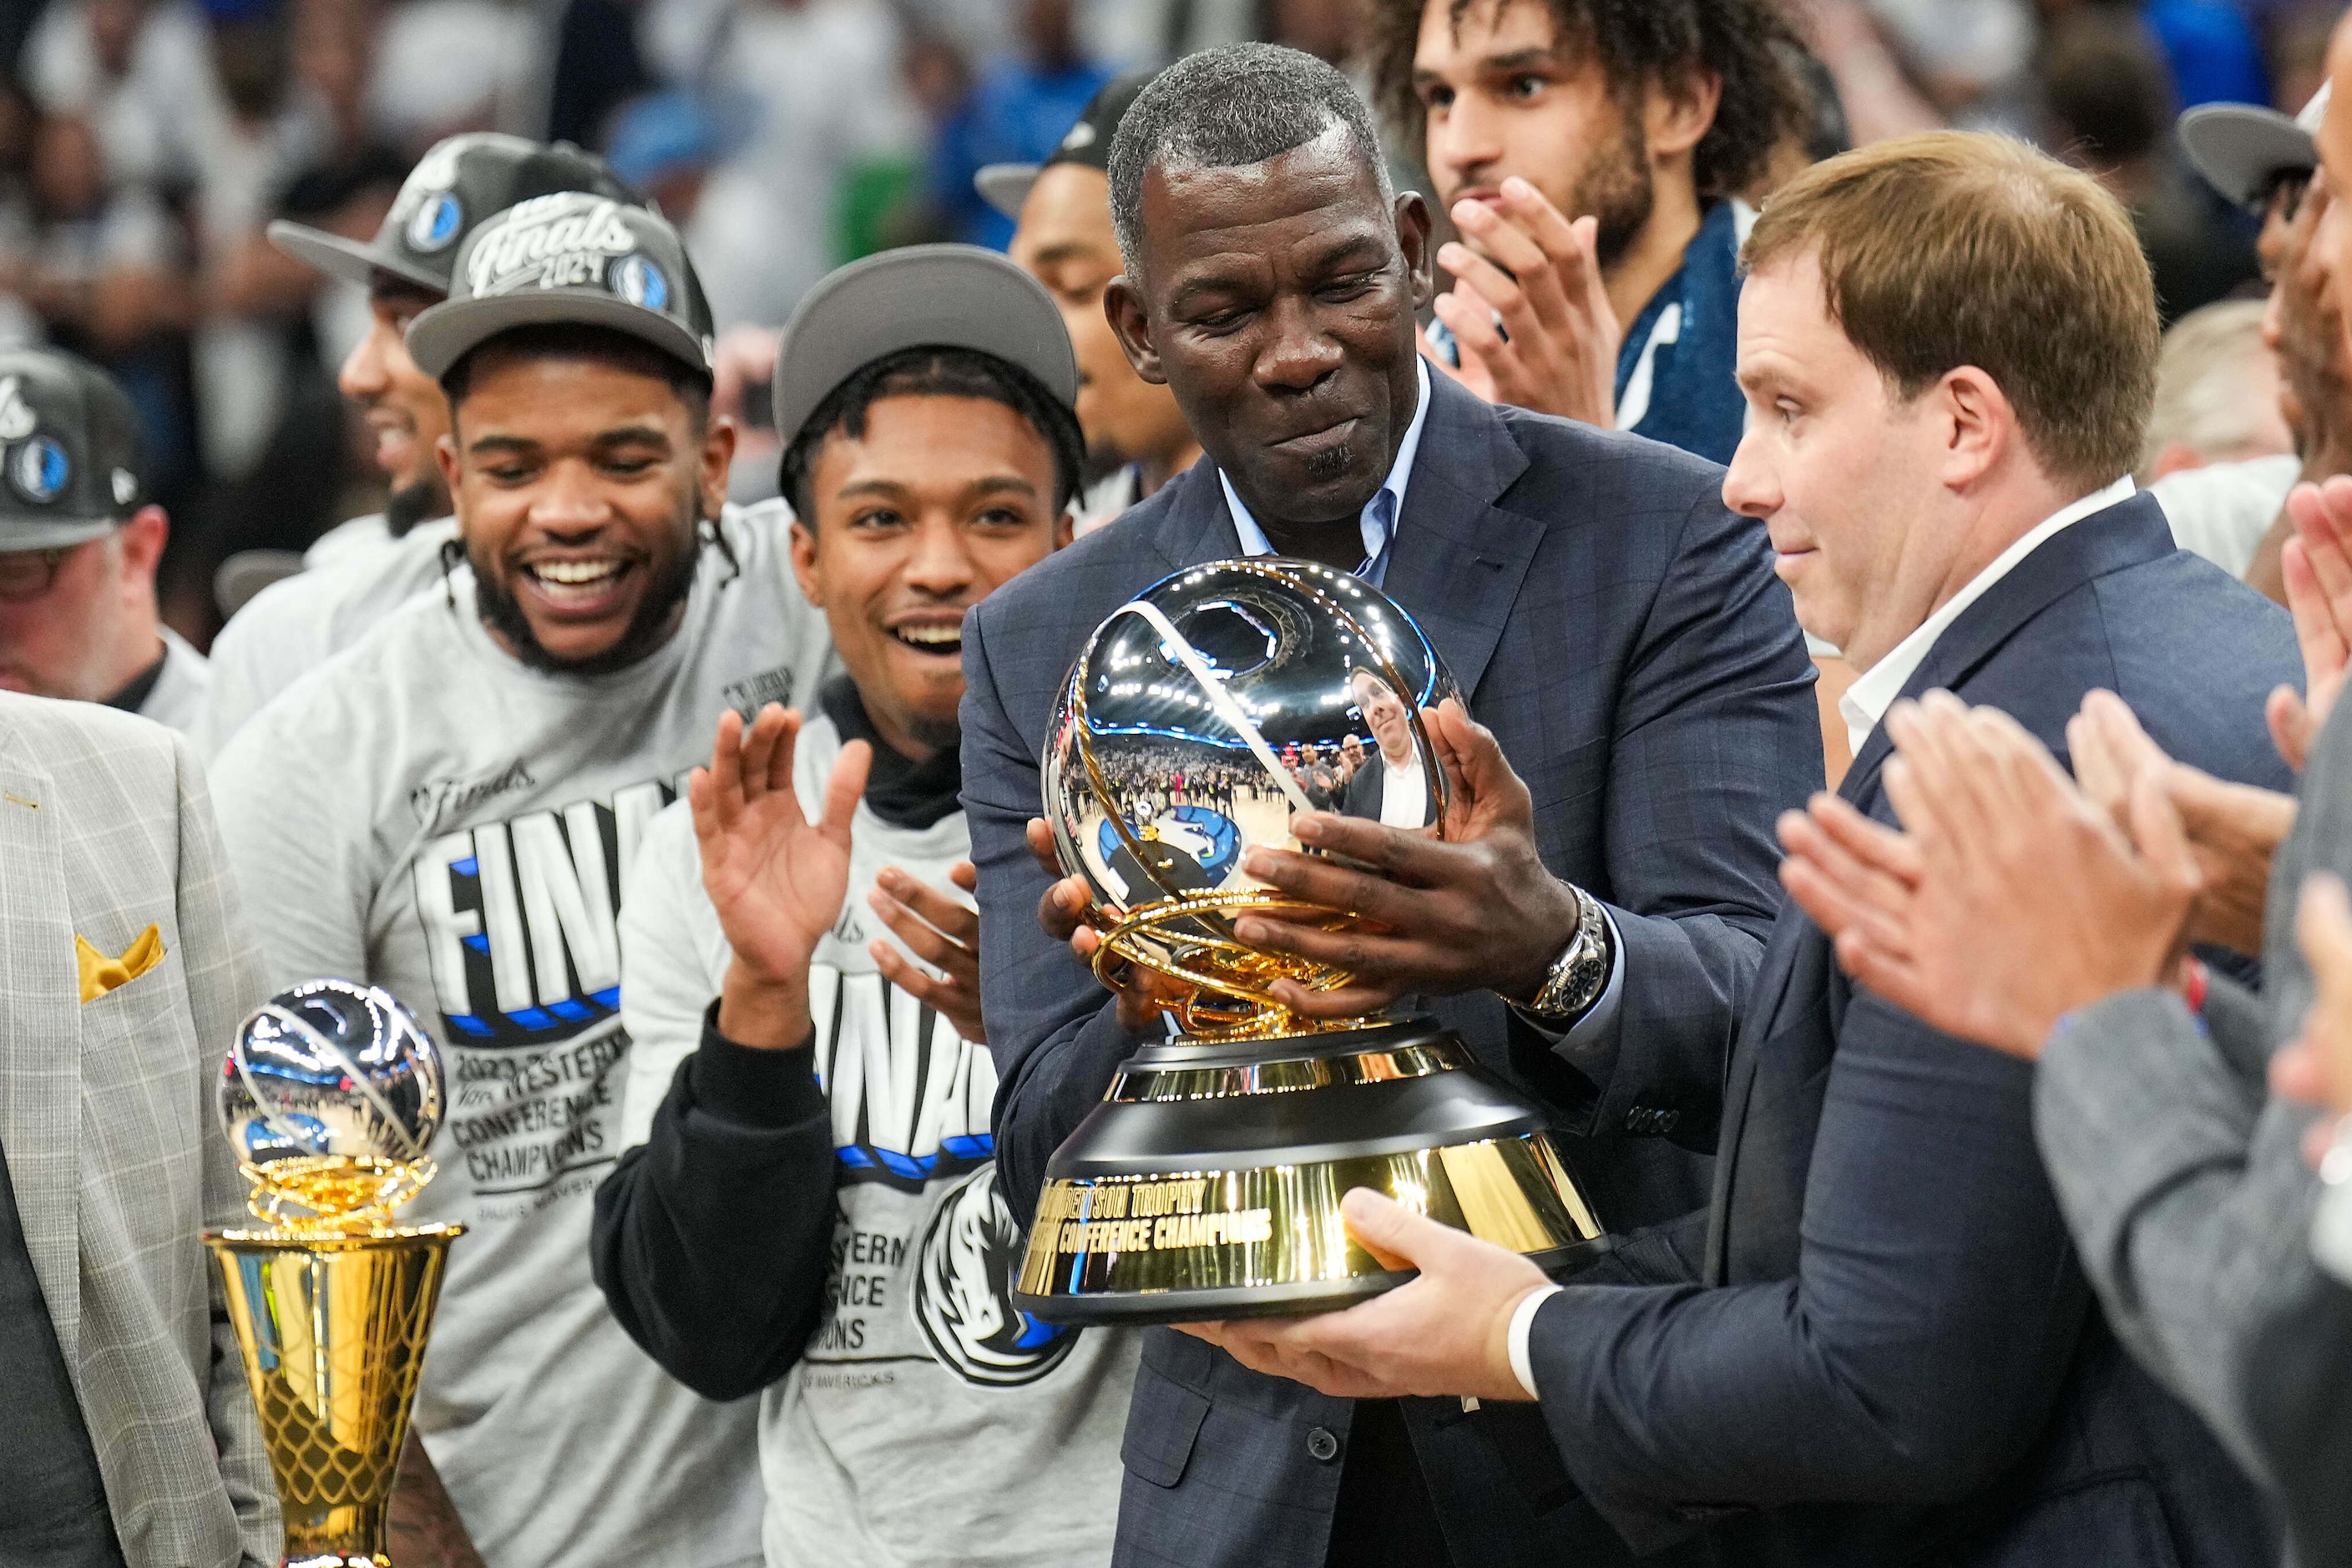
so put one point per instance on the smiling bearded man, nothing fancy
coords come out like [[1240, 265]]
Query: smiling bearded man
[[451, 807]]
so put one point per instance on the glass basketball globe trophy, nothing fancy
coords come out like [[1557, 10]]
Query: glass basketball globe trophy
[[330, 1096], [1200, 719]]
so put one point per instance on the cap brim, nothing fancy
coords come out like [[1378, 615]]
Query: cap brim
[[350, 260], [1005, 186], [2238, 146], [19, 533], [443, 336], [922, 296]]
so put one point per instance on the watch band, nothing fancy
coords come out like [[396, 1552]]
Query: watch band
[[1580, 974]]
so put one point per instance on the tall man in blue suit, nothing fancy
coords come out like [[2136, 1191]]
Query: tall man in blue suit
[[1615, 624], [1947, 343]]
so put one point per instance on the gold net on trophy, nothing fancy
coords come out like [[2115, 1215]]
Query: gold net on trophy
[[330, 1096]]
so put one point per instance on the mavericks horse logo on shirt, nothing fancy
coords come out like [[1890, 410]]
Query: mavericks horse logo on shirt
[[963, 1290]]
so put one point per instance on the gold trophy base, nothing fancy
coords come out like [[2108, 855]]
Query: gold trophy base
[[1207, 1184], [332, 1326]]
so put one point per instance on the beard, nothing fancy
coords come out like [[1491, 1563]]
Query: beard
[[939, 734], [1323, 467], [1616, 188], [647, 629], [423, 501]]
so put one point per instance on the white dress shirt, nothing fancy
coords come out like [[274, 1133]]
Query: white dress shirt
[[1873, 692], [1404, 792]]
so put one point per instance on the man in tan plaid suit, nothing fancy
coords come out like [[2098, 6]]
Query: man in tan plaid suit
[[127, 1434]]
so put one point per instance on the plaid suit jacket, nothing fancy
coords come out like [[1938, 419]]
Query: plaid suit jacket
[[106, 1115], [1624, 636]]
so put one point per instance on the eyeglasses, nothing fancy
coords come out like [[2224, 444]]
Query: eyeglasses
[[26, 574]]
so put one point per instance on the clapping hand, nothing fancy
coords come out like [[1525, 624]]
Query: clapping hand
[[941, 931], [2317, 566], [2234, 829], [776, 878], [2009, 899], [1556, 349]]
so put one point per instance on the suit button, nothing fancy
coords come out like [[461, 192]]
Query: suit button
[[1637, 1120], [1321, 1445]]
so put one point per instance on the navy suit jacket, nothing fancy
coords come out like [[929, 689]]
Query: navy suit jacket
[[1893, 1355], [1624, 636]]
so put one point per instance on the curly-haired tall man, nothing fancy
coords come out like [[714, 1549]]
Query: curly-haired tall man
[[1588, 153]]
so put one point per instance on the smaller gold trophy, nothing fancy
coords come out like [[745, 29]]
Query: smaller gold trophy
[[331, 1096]]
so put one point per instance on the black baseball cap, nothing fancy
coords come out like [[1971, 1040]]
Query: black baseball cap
[[570, 258], [1005, 186], [920, 296], [2240, 147], [456, 184], [70, 469]]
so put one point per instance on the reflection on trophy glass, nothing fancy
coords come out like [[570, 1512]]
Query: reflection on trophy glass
[[1200, 718], [330, 1096], [1392, 786]]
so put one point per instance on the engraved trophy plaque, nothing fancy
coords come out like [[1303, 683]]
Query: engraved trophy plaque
[[1199, 719], [331, 1096]]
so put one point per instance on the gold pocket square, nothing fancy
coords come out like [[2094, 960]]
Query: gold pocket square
[[101, 974]]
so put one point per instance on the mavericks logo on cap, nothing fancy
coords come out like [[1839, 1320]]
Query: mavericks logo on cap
[[562, 241], [39, 469], [640, 282], [435, 223]]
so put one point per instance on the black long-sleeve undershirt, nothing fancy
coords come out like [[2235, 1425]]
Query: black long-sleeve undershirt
[[713, 1240]]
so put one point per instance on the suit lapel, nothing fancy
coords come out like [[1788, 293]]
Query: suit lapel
[[2125, 534], [40, 1042], [1199, 525], [1459, 558]]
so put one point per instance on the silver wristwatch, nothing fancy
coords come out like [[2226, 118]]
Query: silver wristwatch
[[1580, 974]]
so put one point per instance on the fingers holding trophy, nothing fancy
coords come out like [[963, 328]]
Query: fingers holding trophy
[[330, 1096]]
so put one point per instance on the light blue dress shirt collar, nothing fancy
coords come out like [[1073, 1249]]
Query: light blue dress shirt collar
[[1380, 512]]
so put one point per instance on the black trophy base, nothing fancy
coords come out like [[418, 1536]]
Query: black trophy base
[[1207, 1184]]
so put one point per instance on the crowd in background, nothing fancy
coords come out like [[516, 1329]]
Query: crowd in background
[[144, 144]]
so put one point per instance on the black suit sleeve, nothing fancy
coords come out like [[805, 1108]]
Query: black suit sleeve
[[713, 1239], [1715, 733], [1924, 1340], [1052, 1029]]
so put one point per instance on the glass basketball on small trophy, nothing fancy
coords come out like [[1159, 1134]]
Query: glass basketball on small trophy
[[330, 1096], [1198, 720]]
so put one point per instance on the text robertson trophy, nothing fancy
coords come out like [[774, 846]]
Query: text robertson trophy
[[330, 1096], [1207, 1182]]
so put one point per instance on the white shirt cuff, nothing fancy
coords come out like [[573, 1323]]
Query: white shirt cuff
[[1523, 1319]]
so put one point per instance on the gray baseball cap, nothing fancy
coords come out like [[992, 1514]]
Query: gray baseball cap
[[1005, 186], [460, 181], [924, 296], [2239, 147], [570, 257], [69, 451]]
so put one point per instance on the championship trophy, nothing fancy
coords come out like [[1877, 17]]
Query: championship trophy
[[330, 1096], [1207, 1182]]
